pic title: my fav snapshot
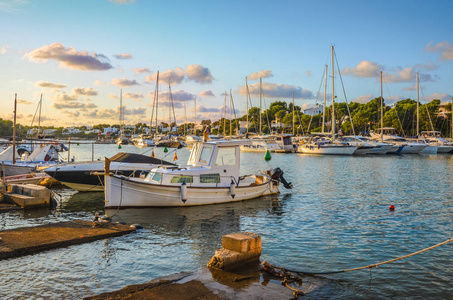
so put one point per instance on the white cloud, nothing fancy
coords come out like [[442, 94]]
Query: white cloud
[[45, 84], [365, 68], [141, 70], [363, 99], [84, 91], [445, 49], [124, 82], [175, 76], [123, 56], [199, 74], [207, 93], [4, 49], [69, 57], [440, 96], [274, 90], [260, 74], [135, 96]]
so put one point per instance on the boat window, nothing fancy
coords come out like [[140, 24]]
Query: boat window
[[149, 176], [205, 155], [226, 156], [193, 153], [157, 177], [210, 178], [182, 178]]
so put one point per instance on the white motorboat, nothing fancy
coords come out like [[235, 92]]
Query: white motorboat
[[363, 147], [324, 145], [434, 137], [388, 135], [261, 144], [379, 148], [211, 176]]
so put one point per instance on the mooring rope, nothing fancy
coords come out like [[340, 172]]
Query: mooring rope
[[365, 267]]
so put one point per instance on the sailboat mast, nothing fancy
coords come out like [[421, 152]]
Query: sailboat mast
[[247, 102], [333, 97], [382, 112], [157, 100], [185, 118], [324, 106], [14, 129], [195, 115], [224, 115], [418, 108], [39, 116], [294, 118], [261, 100], [121, 111], [451, 110], [231, 120], [169, 107]]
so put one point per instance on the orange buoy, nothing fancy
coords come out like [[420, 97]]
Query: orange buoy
[[392, 207]]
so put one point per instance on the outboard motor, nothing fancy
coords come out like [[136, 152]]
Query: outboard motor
[[277, 174]]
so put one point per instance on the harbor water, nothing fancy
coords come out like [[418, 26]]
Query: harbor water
[[336, 217]]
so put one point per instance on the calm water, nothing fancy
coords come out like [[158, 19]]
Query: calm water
[[335, 218]]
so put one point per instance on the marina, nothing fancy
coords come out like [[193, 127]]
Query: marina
[[336, 217]]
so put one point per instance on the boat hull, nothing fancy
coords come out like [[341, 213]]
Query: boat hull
[[121, 192], [328, 150]]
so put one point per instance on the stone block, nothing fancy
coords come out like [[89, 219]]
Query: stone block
[[242, 242]]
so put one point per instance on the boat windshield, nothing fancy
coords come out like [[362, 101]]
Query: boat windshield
[[226, 156], [205, 156], [193, 154]]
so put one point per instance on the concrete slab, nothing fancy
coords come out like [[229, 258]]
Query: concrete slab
[[29, 240]]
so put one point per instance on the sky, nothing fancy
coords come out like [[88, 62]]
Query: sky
[[82, 55]]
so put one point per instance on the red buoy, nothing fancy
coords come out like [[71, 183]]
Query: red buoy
[[392, 207]]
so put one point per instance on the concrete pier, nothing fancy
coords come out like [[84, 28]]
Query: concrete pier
[[29, 240], [238, 249], [28, 195]]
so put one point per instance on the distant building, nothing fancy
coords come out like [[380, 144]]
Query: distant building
[[314, 110], [110, 130], [443, 113]]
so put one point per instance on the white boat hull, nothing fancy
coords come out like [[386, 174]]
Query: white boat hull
[[328, 150], [127, 193]]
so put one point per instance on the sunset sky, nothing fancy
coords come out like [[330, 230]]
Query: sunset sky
[[80, 54]]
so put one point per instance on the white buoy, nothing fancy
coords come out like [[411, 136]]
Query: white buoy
[[232, 189], [184, 192]]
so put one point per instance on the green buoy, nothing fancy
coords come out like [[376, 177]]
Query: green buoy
[[165, 150], [267, 155], [119, 146]]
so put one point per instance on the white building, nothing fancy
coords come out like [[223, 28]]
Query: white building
[[314, 110]]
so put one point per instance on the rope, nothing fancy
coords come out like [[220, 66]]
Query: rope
[[369, 266]]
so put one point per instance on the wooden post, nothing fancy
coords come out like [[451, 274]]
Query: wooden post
[[106, 166]]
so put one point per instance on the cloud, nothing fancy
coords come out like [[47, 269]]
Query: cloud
[[84, 91], [363, 99], [45, 84], [405, 75], [445, 49], [260, 74], [203, 109], [108, 113], [392, 99], [72, 105], [439, 96], [199, 74], [72, 114], [365, 68], [4, 49], [207, 93], [308, 73], [23, 101], [430, 66], [135, 96], [11, 6], [175, 76], [196, 73], [98, 82], [113, 96], [69, 58], [123, 56], [124, 82], [274, 90], [141, 70]]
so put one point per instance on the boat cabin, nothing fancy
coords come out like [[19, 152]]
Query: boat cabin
[[213, 163]]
